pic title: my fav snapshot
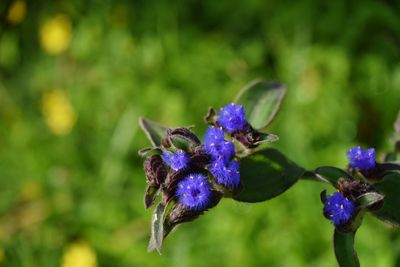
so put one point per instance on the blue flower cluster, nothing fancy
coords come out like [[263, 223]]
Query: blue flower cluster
[[176, 161], [232, 118], [338, 209], [222, 166], [194, 191], [363, 160]]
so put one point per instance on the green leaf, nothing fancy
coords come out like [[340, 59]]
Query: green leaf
[[181, 143], [154, 131], [157, 228], [390, 188], [369, 199], [261, 101], [345, 254], [331, 174], [265, 175]]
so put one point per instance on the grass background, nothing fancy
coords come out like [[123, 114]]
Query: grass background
[[76, 75]]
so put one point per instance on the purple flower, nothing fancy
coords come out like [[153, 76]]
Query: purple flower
[[178, 161], [217, 146], [338, 209], [232, 118], [226, 174], [194, 191], [363, 160]]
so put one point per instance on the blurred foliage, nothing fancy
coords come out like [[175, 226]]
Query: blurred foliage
[[76, 75]]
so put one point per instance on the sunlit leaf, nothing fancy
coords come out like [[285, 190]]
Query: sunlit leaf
[[157, 228], [261, 101]]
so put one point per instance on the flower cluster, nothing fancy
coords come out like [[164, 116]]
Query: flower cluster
[[186, 181], [338, 209], [362, 160], [186, 170], [192, 176]]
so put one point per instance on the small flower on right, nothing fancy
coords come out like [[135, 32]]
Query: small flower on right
[[338, 209], [362, 160]]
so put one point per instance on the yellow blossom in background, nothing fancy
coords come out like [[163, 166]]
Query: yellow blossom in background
[[58, 112], [2, 256], [17, 12], [31, 190], [79, 254], [55, 34]]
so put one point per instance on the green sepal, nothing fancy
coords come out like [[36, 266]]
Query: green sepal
[[150, 196], [265, 138], [209, 118], [183, 138], [149, 151], [369, 200]]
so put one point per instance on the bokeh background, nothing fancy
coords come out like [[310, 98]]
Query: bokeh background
[[76, 75]]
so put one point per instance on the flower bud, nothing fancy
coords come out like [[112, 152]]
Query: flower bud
[[155, 170], [352, 189]]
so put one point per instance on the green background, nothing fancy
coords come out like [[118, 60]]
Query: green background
[[168, 61]]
